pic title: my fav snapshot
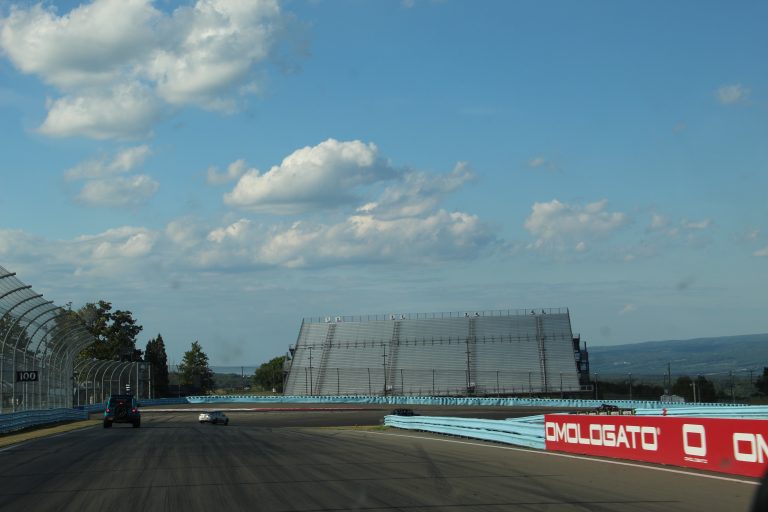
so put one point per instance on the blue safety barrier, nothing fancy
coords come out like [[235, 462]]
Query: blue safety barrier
[[448, 401], [528, 432], [712, 411], [148, 402], [21, 420]]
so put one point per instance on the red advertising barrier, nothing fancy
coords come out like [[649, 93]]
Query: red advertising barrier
[[738, 447]]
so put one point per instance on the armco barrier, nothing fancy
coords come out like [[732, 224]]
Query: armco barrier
[[448, 401], [519, 431], [20, 420], [712, 411], [148, 402], [736, 446]]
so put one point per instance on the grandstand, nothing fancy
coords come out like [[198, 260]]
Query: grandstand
[[469, 353]]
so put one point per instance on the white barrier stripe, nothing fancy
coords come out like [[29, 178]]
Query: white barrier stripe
[[567, 456]]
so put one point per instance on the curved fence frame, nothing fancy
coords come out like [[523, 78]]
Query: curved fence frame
[[39, 344]]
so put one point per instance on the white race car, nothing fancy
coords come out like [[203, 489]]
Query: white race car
[[213, 417]]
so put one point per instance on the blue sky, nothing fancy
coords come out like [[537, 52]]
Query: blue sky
[[223, 169]]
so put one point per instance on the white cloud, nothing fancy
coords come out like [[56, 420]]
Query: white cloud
[[105, 184], [124, 161], [357, 239], [118, 62], [417, 193], [321, 176], [184, 233], [101, 254], [729, 94], [125, 242], [658, 221], [119, 191], [234, 231], [628, 308], [187, 245], [123, 112], [555, 222], [696, 225], [218, 41], [541, 162], [761, 253], [233, 172], [92, 44]]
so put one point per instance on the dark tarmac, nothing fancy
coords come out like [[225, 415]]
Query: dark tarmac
[[282, 461]]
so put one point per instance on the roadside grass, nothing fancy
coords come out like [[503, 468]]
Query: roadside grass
[[44, 431]]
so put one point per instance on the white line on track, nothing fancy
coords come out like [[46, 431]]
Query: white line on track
[[567, 456]]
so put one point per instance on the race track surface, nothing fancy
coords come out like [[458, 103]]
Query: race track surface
[[281, 461]]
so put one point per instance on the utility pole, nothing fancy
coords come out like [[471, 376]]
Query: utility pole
[[385, 370]]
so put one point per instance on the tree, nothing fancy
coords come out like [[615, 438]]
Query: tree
[[762, 383], [156, 356], [269, 375], [115, 332], [194, 370], [705, 389]]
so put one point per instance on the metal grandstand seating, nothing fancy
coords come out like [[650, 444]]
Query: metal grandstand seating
[[483, 353]]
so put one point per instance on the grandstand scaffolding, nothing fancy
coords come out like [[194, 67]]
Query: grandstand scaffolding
[[503, 352]]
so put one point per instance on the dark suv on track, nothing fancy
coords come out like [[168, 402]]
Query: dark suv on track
[[122, 409]]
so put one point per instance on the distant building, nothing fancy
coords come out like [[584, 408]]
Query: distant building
[[467, 353]]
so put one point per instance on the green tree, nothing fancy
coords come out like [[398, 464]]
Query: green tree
[[269, 375], [115, 332], [194, 370], [762, 382], [705, 389], [156, 356]]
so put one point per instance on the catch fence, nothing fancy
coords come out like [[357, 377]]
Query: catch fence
[[39, 342]]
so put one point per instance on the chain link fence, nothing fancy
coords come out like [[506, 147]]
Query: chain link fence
[[95, 380], [39, 342]]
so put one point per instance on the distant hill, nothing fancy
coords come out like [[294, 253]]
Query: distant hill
[[692, 357]]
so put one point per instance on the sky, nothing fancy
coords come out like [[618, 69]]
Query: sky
[[223, 169]]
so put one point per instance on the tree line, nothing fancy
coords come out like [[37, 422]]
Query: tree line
[[115, 332]]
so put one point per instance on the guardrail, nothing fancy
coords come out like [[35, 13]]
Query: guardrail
[[528, 432], [21, 420], [714, 411], [142, 403], [449, 401], [148, 402]]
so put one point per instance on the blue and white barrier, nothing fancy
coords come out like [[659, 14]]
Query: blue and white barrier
[[448, 401], [710, 411], [21, 420], [527, 432]]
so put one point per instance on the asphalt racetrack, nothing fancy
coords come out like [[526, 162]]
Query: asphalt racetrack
[[298, 461]]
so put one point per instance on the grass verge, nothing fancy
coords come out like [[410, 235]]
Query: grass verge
[[44, 431]]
